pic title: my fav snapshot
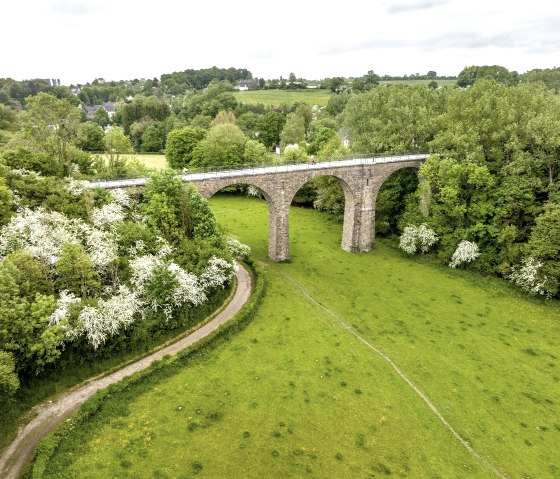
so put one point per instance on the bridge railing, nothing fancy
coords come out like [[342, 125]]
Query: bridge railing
[[227, 172]]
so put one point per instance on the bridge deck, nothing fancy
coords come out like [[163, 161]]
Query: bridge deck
[[263, 170]]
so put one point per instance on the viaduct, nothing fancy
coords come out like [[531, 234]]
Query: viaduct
[[360, 178]]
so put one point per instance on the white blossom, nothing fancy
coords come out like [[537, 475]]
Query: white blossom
[[138, 247], [101, 247], [41, 234], [189, 289], [237, 248], [77, 187], [217, 273], [24, 172], [121, 197], [108, 214], [417, 238], [529, 277], [142, 268], [254, 191], [105, 320], [466, 252]]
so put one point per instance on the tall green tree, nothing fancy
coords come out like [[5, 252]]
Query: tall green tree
[[9, 381], [180, 145], [224, 145], [51, 125], [293, 131], [396, 119], [116, 144]]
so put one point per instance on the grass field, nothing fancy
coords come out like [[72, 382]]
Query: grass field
[[152, 161], [299, 393], [281, 97], [418, 82]]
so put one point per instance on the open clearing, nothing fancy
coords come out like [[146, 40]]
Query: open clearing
[[282, 97], [297, 394]]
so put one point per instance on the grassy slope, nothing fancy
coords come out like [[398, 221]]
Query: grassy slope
[[296, 395], [280, 97]]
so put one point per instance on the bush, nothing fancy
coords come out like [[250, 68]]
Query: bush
[[466, 252], [417, 238]]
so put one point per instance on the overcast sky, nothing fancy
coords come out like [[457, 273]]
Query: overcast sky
[[80, 40]]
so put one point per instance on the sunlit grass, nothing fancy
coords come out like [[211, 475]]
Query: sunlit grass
[[296, 395], [152, 161], [281, 97]]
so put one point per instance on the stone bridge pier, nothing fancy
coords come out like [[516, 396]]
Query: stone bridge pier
[[360, 183]]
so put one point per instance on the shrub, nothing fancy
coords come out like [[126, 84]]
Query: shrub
[[466, 252], [417, 238]]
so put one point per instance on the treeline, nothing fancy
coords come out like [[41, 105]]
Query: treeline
[[493, 180], [178, 83]]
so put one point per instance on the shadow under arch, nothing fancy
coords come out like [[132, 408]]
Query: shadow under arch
[[390, 200]]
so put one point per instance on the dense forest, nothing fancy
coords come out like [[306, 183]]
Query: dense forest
[[81, 269]]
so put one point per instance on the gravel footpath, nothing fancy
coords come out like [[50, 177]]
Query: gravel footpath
[[14, 458]]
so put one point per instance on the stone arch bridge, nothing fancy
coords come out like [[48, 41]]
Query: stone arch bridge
[[360, 178]]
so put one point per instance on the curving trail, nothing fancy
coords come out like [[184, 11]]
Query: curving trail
[[14, 458]]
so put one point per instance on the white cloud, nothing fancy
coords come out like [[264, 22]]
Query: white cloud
[[78, 41]]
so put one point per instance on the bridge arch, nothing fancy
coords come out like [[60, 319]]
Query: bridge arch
[[348, 229], [361, 179]]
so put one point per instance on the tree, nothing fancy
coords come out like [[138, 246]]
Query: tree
[[544, 246], [224, 145], [24, 323], [255, 153], [9, 381], [293, 131], [6, 202], [51, 125], [224, 117], [75, 271], [90, 137], [153, 139], [396, 119], [180, 145], [197, 215], [101, 117], [469, 75], [271, 128], [116, 144]]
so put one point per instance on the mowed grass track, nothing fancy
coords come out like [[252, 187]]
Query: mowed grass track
[[296, 395]]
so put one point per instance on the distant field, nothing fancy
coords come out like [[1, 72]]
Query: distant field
[[419, 82], [157, 162], [279, 97]]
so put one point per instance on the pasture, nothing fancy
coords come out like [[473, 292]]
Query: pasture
[[283, 97], [309, 389]]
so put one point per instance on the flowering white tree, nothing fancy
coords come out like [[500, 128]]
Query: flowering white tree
[[237, 248], [100, 322], [417, 238], [529, 277], [62, 311], [466, 252], [42, 234], [217, 273], [77, 187], [108, 214]]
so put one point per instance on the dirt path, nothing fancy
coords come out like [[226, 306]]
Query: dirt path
[[341, 322], [50, 414]]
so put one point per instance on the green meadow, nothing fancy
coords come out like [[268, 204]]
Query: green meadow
[[449, 83], [310, 388], [281, 97]]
